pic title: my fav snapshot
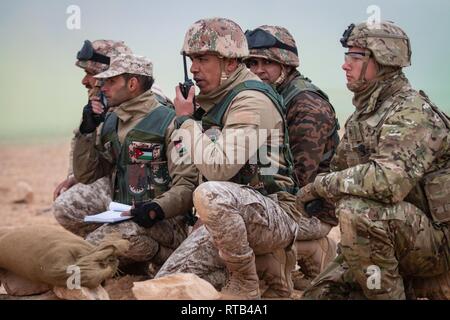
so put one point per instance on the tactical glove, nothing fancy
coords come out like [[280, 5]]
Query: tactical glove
[[141, 214], [90, 120], [308, 201]]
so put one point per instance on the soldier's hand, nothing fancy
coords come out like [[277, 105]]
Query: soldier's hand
[[97, 105], [147, 214], [184, 107], [92, 116], [64, 186], [306, 195]]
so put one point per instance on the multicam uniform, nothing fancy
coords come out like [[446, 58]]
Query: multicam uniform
[[135, 149], [390, 181], [72, 206], [239, 221]]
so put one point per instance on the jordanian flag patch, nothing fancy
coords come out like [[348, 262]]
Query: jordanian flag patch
[[142, 152]]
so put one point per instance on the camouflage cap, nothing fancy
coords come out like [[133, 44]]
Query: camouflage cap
[[216, 35], [108, 48], [128, 63], [389, 43], [283, 56]]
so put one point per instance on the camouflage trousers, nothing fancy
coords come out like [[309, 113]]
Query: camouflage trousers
[[312, 229], [382, 247], [238, 221], [153, 245], [72, 206]]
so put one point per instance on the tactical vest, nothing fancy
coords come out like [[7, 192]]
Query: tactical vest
[[432, 193], [140, 165], [250, 174], [302, 84]]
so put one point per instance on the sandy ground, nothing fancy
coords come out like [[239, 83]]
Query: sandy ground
[[42, 167]]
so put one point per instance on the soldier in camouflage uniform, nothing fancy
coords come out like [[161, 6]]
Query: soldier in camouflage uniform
[[73, 200], [134, 148], [390, 177], [246, 211], [313, 134]]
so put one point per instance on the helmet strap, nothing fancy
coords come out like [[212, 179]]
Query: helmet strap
[[282, 76], [361, 82], [223, 75]]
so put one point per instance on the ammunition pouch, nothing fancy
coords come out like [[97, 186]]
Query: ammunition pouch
[[437, 190]]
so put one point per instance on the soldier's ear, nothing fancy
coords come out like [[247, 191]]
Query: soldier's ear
[[133, 84], [230, 65]]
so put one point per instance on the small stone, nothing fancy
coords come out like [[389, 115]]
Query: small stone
[[98, 293], [23, 193], [180, 286]]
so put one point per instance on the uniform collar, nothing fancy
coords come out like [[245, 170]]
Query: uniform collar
[[241, 74], [137, 107]]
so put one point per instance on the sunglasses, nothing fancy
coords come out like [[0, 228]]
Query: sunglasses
[[260, 39], [351, 57]]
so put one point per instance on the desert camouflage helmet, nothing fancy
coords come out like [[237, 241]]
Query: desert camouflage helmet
[[108, 48], [389, 43], [273, 43], [216, 35]]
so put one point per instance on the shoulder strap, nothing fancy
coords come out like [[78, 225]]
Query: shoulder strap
[[215, 116], [110, 125], [298, 85], [157, 121]]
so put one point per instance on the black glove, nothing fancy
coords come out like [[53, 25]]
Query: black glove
[[141, 214], [90, 120], [314, 207]]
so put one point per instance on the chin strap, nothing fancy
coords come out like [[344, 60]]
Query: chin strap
[[361, 82], [282, 76], [223, 75]]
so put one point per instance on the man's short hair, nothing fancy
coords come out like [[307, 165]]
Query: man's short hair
[[145, 82]]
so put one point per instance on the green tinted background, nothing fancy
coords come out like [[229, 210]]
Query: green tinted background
[[41, 96]]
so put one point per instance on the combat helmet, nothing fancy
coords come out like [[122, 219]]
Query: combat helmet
[[273, 43], [218, 36], [388, 43], [96, 56]]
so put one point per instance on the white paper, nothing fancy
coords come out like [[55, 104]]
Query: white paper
[[114, 214], [116, 206]]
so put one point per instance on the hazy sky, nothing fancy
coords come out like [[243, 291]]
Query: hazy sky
[[41, 94]]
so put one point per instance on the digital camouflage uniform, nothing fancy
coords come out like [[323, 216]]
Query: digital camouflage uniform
[[239, 221], [313, 139], [142, 166], [393, 215], [73, 205]]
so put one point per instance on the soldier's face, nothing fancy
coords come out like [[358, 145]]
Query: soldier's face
[[353, 65], [88, 80], [207, 69], [268, 71], [116, 91]]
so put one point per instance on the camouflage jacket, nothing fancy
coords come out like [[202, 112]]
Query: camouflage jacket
[[388, 147], [89, 163], [249, 112], [311, 123]]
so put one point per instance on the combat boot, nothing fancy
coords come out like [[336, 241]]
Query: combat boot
[[275, 269], [243, 281], [313, 257]]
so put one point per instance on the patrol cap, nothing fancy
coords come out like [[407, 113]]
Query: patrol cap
[[128, 63]]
